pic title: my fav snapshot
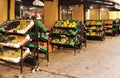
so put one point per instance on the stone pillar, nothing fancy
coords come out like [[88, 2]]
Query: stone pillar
[[3, 10], [78, 13], [50, 13], [12, 9], [94, 12]]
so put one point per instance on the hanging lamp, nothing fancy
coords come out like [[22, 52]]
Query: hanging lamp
[[38, 3]]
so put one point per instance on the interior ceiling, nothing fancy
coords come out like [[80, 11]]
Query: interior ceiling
[[69, 2], [27, 2], [77, 2]]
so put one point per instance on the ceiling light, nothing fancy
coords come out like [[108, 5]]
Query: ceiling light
[[91, 7], [21, 7], [38, 3], [117, 6], [19, 0], [63, 10], [110, 3], [102, 9], [99, 1]]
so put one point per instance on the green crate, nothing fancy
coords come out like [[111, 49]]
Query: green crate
[[40, 25]]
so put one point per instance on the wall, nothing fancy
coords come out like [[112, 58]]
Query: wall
[[50, 13], [78, 13], [104, 14], [3, 10], [118, 14], [112, 14], [94, 14]]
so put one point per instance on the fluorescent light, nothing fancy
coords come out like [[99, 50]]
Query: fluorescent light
[[99, 1], [110, 3]]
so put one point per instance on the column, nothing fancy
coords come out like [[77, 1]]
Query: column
[[50, 12]]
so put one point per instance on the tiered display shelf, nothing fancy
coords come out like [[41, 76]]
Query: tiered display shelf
[[95, 30], [110, 27], [39, 43], [13, 39], [16, 26], [116, 23], [65, 34]]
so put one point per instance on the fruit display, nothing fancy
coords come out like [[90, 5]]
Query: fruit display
[[44, 44], [108, 21], [110, 27], [22, 25], [14, 40], [94, 34], [6, 23], [88, 22], [13, 55], [99, 23], [17, 26], [66, 23], [10, 26], [94, 29], [64, 41], [41, 45], [41, 36], [94, 22], [64, 31], [108, 31]]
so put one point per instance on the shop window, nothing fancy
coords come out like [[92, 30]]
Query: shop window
[[26, 12], [66, 13]]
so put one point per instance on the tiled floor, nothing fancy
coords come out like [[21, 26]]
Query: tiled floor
[[99, 60]]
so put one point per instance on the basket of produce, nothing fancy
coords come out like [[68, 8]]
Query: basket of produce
[[66, 24], [15, 41], [41, 45], [17, 26], [13, 55]]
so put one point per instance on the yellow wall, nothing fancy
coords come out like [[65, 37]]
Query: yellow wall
[[104, 14], [78, 13], [50, 13], [112, 14], [94, 14], [3, 10], [12, 9], [118, 14]]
